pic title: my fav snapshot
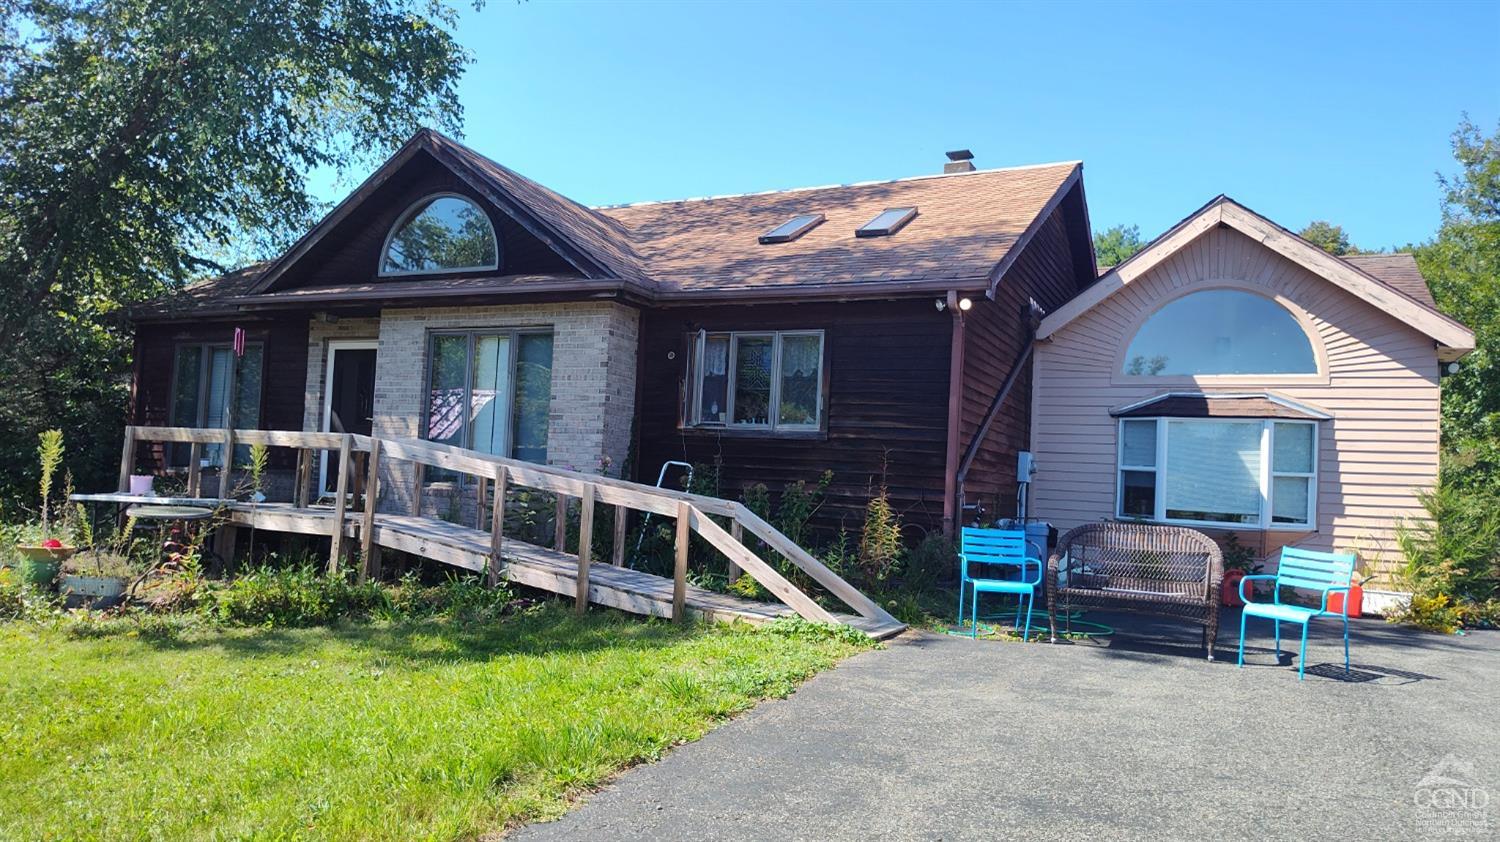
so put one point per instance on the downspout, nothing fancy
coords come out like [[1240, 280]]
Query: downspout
[[1031, 316], [955, 410]]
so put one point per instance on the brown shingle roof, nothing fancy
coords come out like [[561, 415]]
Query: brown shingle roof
[[965, 225], [207, 294], [596, 234], [1397, 270]]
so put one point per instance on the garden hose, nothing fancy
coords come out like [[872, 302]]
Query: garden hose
[[1069, 621]]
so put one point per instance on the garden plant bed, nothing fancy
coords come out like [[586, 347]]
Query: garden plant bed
[[430, 729]]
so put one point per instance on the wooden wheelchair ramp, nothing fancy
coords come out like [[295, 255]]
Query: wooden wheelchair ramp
[[483, 548]]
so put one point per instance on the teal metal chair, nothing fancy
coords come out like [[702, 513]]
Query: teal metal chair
[[989, 548], [1305, 570]]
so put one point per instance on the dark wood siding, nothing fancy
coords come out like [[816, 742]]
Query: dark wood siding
[[350, 253], [887, 376], [282, 385], [994, 333]]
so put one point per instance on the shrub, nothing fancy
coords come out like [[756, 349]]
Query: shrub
[[798, 504], [20, 601], [747, 587], [292, 596], [1452, 566], [934, 560], [462, 597]]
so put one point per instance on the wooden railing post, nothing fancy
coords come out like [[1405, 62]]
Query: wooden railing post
[[479, 500], [359, 478], [618, 547], [585, 548], [304, 475], [419, 480], [737, 532], [497, 529], [127, 460], [367, 527], [226, 463], [340, 503], [679, 570], [195, 469], [560, 539]]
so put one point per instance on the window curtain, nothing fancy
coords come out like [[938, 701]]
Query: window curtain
[[1139, 447], [1213, 469]]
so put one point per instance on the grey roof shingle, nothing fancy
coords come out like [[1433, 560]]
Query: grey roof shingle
[[1397, 270]]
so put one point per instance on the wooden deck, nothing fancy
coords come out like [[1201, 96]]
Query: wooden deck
[[530, 565]]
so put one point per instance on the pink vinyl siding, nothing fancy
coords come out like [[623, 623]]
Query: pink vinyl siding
[[1378, 379]]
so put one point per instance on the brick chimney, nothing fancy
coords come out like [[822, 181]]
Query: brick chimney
[[959, 160]]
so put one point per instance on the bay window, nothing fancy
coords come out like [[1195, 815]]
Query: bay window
[[1255, 473], [489, 391], [203, 374], [770, 380]]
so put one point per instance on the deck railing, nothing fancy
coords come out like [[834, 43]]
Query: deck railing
[[359, 460]]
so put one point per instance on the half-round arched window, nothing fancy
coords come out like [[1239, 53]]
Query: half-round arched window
[[1220, 331], [443, 233]]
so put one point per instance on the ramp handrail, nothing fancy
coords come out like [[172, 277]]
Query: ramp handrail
[[691, 511]]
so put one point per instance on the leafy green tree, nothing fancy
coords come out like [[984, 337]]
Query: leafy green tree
[[1114, 246], [141, 141], [1328, 237], [1463, 267]]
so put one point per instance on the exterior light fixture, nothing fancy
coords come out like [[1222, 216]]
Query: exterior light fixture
[[965, 304]]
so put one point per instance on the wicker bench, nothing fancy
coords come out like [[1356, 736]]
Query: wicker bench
[[1166, 571]]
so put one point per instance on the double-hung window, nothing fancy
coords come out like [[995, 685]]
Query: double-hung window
[[770, 381], [490, 391], [203, 375], [1251, 473]]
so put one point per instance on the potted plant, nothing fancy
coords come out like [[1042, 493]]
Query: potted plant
[[42, 551], [98, 578], [1239, 562]]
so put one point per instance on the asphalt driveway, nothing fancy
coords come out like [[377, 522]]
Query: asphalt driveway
[[939, 737]]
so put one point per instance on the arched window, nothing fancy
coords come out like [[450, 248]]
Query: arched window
[[1220, 331], [443, 233]]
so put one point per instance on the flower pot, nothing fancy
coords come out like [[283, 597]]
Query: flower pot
[[40, 565], [1229, 588], [140, 484], [93, 591]]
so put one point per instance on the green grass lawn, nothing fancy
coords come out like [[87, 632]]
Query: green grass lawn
[[426, 730]]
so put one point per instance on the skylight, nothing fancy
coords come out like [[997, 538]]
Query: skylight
[[888, 222], [792, 229]]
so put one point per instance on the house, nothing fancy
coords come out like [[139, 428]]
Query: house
[[1233, 377], [874, 330], [916, 334]]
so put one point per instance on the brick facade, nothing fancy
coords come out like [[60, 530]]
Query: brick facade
[[593, 379]]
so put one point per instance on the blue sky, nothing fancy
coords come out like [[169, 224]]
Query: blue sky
[[1302, 111]]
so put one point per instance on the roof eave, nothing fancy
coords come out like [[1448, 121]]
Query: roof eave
[[847, 291]]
